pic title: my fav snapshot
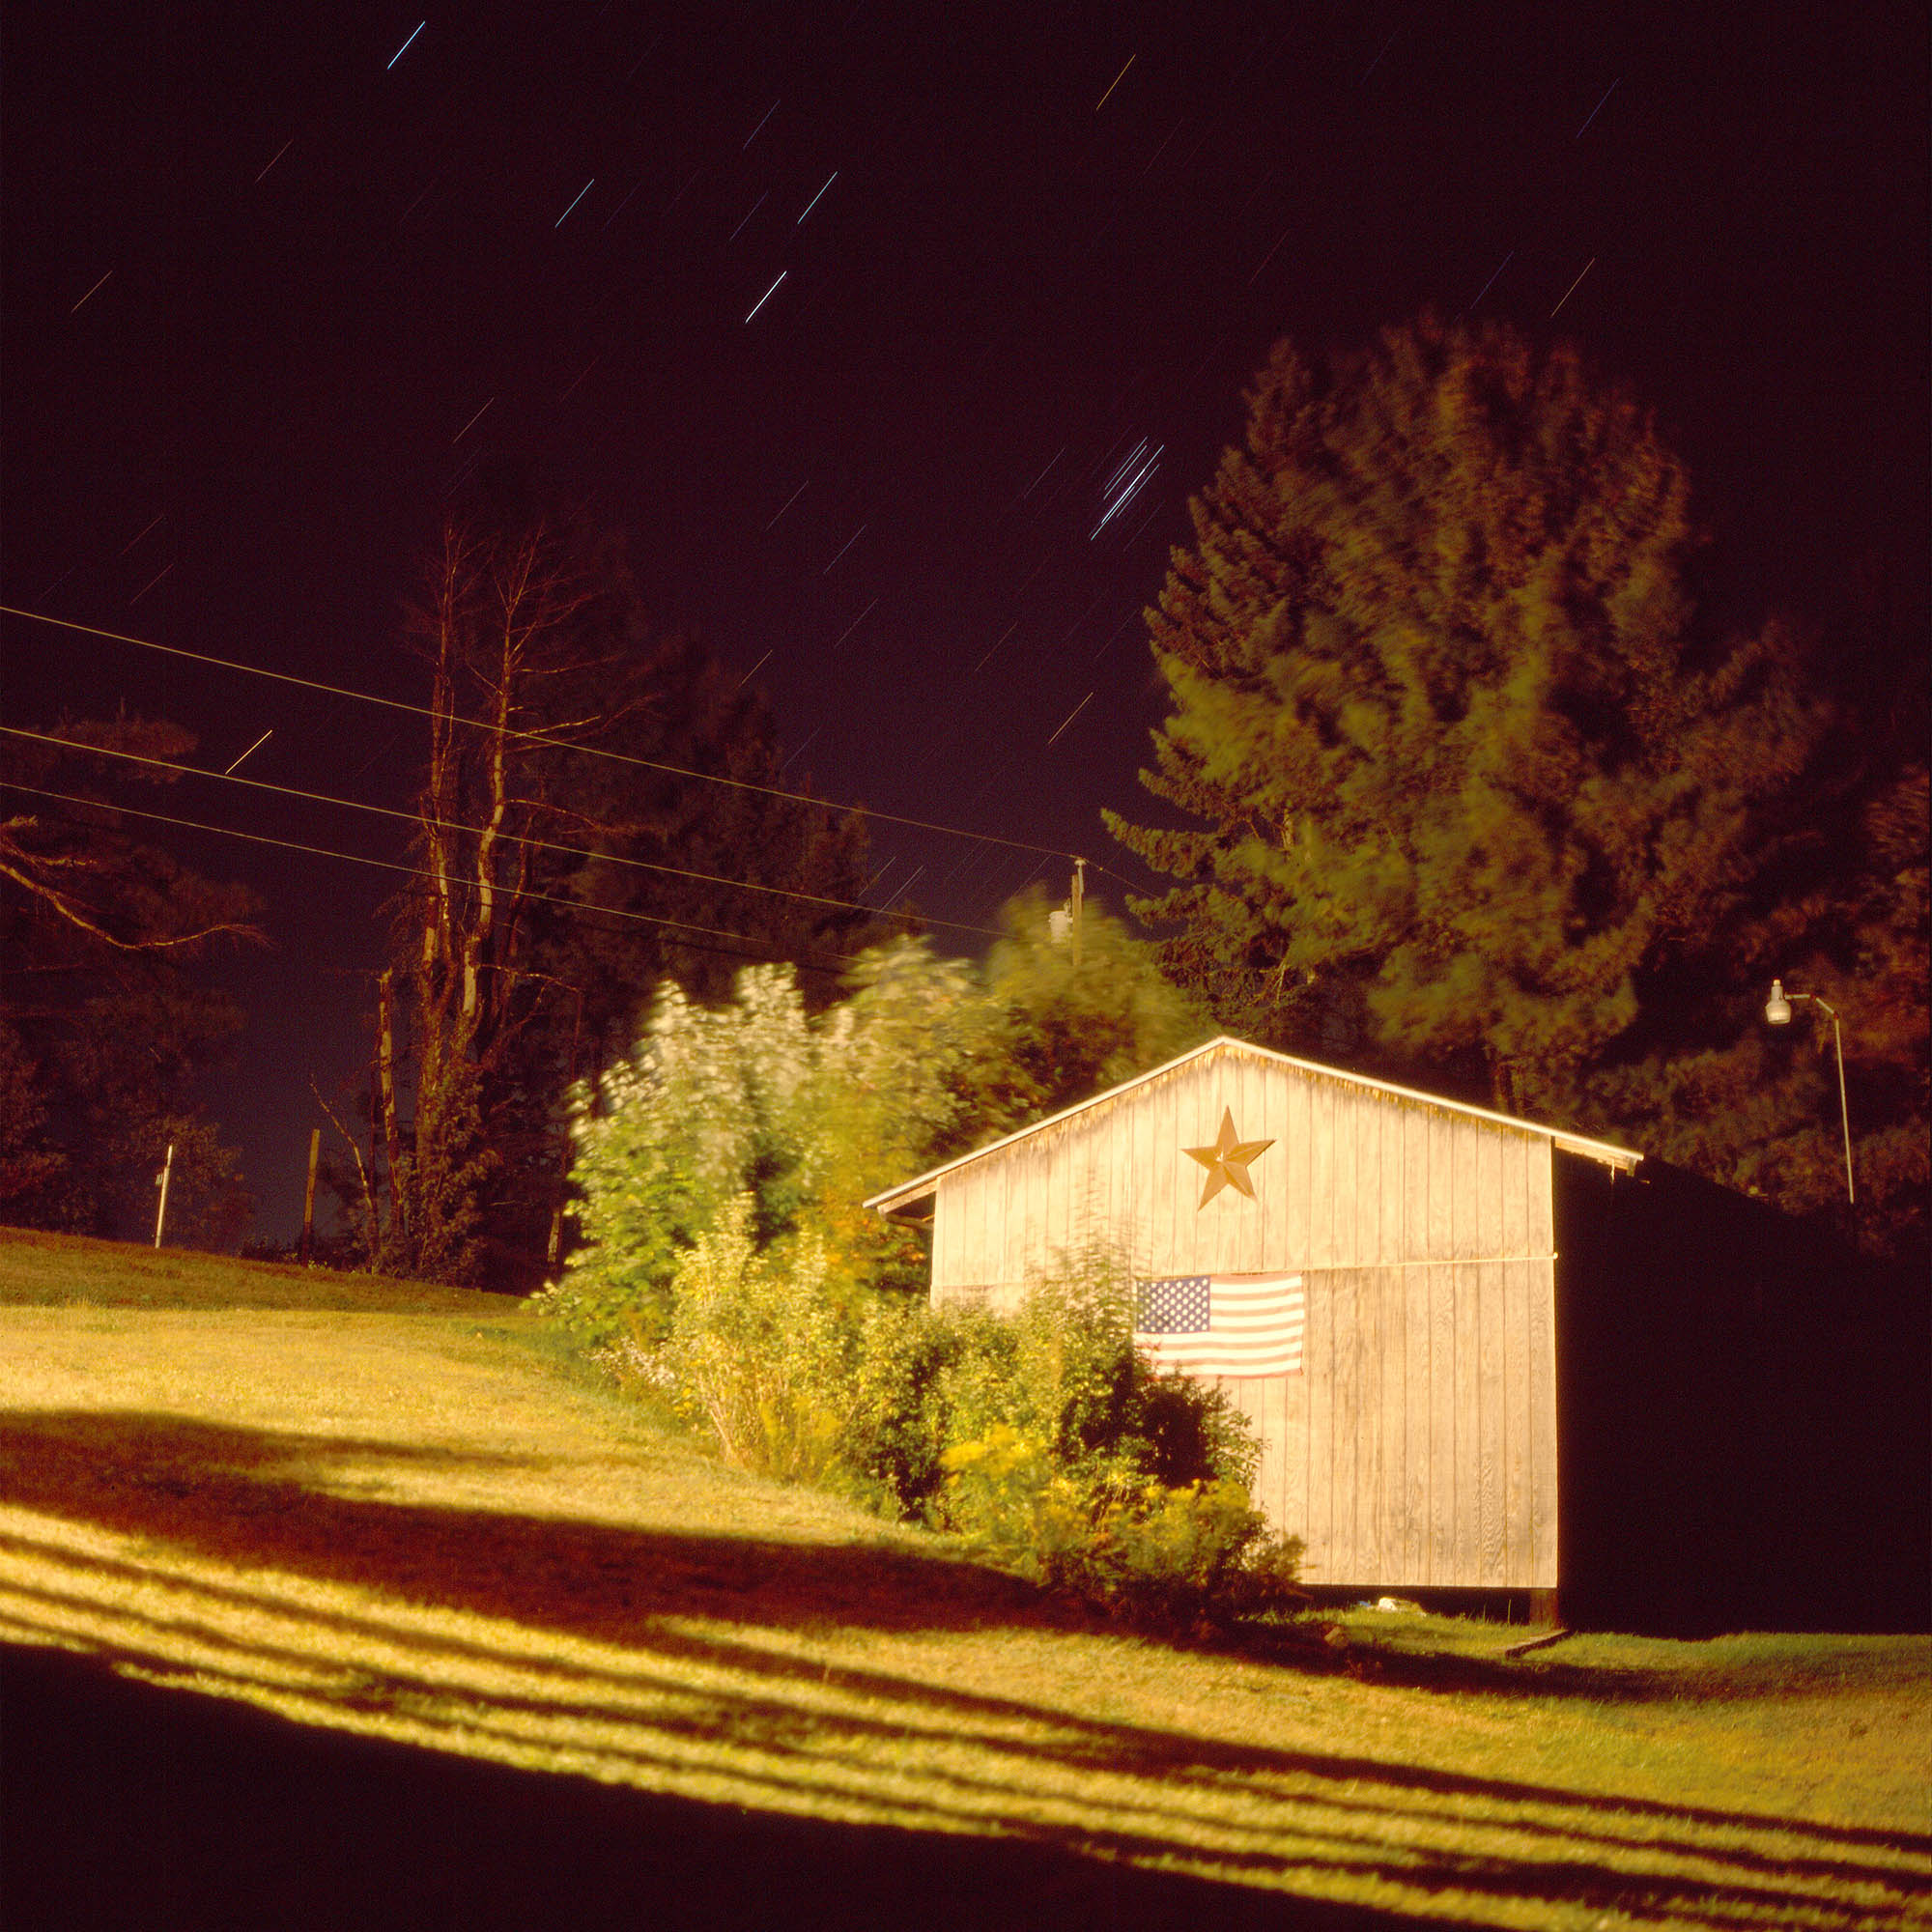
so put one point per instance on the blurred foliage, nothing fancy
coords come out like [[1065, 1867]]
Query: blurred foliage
[[1471, 795], [807, 1114], [758, 1354]]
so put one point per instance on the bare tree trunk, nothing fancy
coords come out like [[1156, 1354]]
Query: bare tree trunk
[[386, 1078]]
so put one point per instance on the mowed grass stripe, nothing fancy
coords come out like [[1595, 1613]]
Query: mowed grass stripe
[[420, 1525]]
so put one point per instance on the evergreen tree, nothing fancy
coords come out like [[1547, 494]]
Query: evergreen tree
[[1465, 772]]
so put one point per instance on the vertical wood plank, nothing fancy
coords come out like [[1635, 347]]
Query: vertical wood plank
[[1539, 1210], [1344, 1176], [1442, 1465], [1078, 1167], [1415, 1183], [1545, 1521], [1517, 1415], [1421, 1386], [1274, 1249], [1465, 1137], [1366, 1490], [1294, 1435], [1490, 1421], [1415, 1414], [1319, 1345], [1353, 1208], [1177, 1191], [969, 1256], [1391, 1181], [1322, 1175], [1301, 1169], [942, 1277], [1263, 1409], [1540, 1227], [1149, 1187], [1521, 1151], [1469, 1365], [1244, 1082], [1387, 1242], [1491, 1533], [1346, 1422], [1518, 1151], [948, 1233], [1371, 1505]]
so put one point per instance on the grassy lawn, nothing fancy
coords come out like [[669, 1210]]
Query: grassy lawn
[[397, 1512]]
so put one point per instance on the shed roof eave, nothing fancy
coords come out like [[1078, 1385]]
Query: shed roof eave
[[893, 1199]]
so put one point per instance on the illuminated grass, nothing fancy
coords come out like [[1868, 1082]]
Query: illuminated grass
[[414, 1525]]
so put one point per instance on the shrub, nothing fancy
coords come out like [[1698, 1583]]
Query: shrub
[[758, 1354], [899, 1408], [1046, 1439], [1197, 1557]]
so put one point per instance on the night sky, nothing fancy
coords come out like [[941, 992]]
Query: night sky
[[895, 336]]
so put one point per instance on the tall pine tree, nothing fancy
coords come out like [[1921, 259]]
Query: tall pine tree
[[1465, 772]]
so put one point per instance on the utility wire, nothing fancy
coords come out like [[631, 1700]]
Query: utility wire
[[536, 737], [455, 825], [422, 872]]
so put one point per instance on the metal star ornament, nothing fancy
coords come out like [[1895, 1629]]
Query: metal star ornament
[[1227, 1160]]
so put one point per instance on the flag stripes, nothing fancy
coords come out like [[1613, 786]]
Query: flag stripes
[[1222, 1325]]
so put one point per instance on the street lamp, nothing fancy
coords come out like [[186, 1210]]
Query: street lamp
[[1777, 1010]]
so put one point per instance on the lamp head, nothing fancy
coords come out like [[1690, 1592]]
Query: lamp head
[[1777, 1008]]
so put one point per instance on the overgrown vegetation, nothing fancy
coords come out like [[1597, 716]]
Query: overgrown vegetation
[[732, 1270], [1042, 1436]]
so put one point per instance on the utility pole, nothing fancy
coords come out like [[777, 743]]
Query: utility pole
[[1079, 894], [308, 1196], [161, 1181]]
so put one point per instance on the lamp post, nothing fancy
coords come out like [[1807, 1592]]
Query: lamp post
[[1777, 1010]]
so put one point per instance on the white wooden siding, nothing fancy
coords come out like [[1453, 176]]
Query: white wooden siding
[[1418, 1447]]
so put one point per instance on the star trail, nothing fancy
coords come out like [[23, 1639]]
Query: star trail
[[894, 345]]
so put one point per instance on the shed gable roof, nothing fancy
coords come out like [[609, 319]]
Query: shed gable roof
[[908, 1194]]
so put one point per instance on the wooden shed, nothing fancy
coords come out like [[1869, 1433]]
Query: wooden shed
[[1473, 1411]]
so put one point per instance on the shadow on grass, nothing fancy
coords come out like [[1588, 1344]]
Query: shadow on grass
[[124, 1806], [248, 1497]]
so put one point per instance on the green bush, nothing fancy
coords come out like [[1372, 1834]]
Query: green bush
[[1046, 1439], [1195, 1557], [899, 1407], [759, 1354]]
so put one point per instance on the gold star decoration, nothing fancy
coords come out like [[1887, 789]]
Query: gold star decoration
[[1227, 1160]]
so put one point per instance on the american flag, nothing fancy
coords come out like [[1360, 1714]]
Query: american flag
[[1230, 1324]]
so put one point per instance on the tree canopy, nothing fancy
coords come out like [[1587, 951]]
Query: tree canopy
[[1464, 784]]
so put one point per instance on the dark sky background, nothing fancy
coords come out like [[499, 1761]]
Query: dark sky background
[[275, 290]]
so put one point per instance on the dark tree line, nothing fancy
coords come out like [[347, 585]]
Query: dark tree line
[[598, 810], [107, 1038]]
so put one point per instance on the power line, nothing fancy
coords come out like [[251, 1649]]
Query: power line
[[536, 737], [421, 873], [454, 825]]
